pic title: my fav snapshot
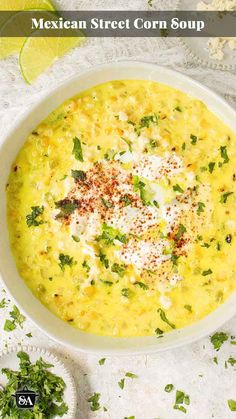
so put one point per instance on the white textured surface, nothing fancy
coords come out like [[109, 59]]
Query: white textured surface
[[191, 368]]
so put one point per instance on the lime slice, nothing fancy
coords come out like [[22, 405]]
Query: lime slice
[[26, 4], [39, 53], [11, 45]]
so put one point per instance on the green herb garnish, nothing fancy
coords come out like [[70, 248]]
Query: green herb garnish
[[142, 285], [208, 272], [17, 319], [218, 339], [32, 219], [79, 175], [102, 361], [103, 259], [177, 188], [126, 292], [159, 332], [94, 402], [37, 377], [77, 149], [121, 383], [118, 269], [109, 234], [200, 208], [67, 207], [180, 232], [65, 260], [211, 166], [232, 405], [224, 197], [168, 388], [193, 139], [164, 318], [106, 203], [127, 201], [224, 154], [131, 375]]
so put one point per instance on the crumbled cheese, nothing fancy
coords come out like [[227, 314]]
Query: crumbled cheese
[[216, 45]]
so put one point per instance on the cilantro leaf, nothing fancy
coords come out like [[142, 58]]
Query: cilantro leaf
[[164, 318], [118, 269], [79, 175], [224, 154], [94, 402], [77, 149], [218, 339], [177, 188], [224, 197], [32, 219], [65, 260], [232, 405]]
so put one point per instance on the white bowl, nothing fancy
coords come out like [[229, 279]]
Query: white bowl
[[27, 302]]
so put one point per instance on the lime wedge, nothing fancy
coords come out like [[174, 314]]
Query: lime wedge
[[39, 53], [9, 44], [26, 4]]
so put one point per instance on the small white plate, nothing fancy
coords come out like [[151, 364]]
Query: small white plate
[[196, 48], [8, 359]]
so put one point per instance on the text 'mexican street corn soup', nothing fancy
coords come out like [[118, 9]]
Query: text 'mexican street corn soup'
[[121, 210]]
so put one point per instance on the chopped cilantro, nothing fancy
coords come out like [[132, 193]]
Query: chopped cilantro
[[193, 139], [3, 303], [17, 319], [146, 121], [131, 375], [127, 201], [215, 360], [174, 258], [232, 405], [211, 166], [66, 206], [106, 203], [103, 259], [168, 388], [164, 318], [65, 260], [77, 149], [109, 234], [9, 326], [129, 143], [142, 285], [218, 339], [150, 3], [231, 361], [49, 386], [153, 143], [139, 185], [224, 154], [79, 175], [94, 402], [75, 238], [118, 269], [104, 281], [224, 197], [180, 232], [86, 266], [200, 208], [121, 383], [32, 219], [177, 188], [208, 272], [180, 407], [183, 146], [126, 292], [102, 361], [159, 332], [29, 335], [178, 108], [188, 307]]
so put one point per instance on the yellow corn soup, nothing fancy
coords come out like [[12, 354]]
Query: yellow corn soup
[[121, 210]]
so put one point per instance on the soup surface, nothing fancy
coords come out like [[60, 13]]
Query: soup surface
[[121, 210]]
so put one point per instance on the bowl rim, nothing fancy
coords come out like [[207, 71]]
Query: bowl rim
[[191, 335]]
